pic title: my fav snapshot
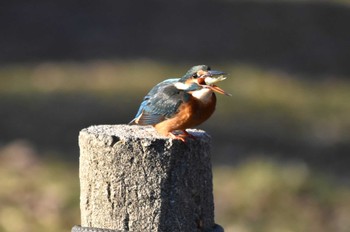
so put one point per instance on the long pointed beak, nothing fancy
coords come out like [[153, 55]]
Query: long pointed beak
[[210, 78], [213, 77]]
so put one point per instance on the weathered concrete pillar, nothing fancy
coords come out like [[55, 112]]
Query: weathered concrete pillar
[[134, 180]]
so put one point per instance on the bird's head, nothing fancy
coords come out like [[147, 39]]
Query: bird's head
[[201, 76]]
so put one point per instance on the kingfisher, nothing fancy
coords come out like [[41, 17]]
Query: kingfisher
[[177, 104]]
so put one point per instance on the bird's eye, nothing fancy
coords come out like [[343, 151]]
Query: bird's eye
[[195, 75]]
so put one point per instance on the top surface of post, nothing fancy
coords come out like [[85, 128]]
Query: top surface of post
[[126, 132]]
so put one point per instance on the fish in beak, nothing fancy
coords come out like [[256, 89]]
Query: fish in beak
[[209, 80]]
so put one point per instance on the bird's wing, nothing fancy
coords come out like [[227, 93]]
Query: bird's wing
[[160, 103], [153, 91]]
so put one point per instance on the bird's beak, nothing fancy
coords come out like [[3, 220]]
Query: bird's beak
[[218, 89], [215, 73], [210, 78]]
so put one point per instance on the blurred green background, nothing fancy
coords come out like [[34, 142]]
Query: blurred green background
[[281, 143]]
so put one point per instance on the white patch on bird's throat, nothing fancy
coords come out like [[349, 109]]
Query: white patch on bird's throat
[[181, 86], [204, 95]]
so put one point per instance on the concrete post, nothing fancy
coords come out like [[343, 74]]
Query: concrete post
[[132, 179]]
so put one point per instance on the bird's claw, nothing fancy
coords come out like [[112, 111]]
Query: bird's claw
[[183, 136], [186, 134]]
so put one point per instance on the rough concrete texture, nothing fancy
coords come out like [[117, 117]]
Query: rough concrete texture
[[133, 179]]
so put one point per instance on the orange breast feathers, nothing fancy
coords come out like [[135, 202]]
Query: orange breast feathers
[[190, 114]]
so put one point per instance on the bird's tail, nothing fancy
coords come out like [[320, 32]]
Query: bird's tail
[[132, 122]]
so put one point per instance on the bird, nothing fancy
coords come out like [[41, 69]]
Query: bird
[[178, 104]]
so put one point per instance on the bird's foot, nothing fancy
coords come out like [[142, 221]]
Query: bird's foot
[[186, 134], [179, 137], [183, 136]]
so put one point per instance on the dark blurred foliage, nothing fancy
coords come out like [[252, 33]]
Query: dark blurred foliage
[[309, 37], [53, 122]]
